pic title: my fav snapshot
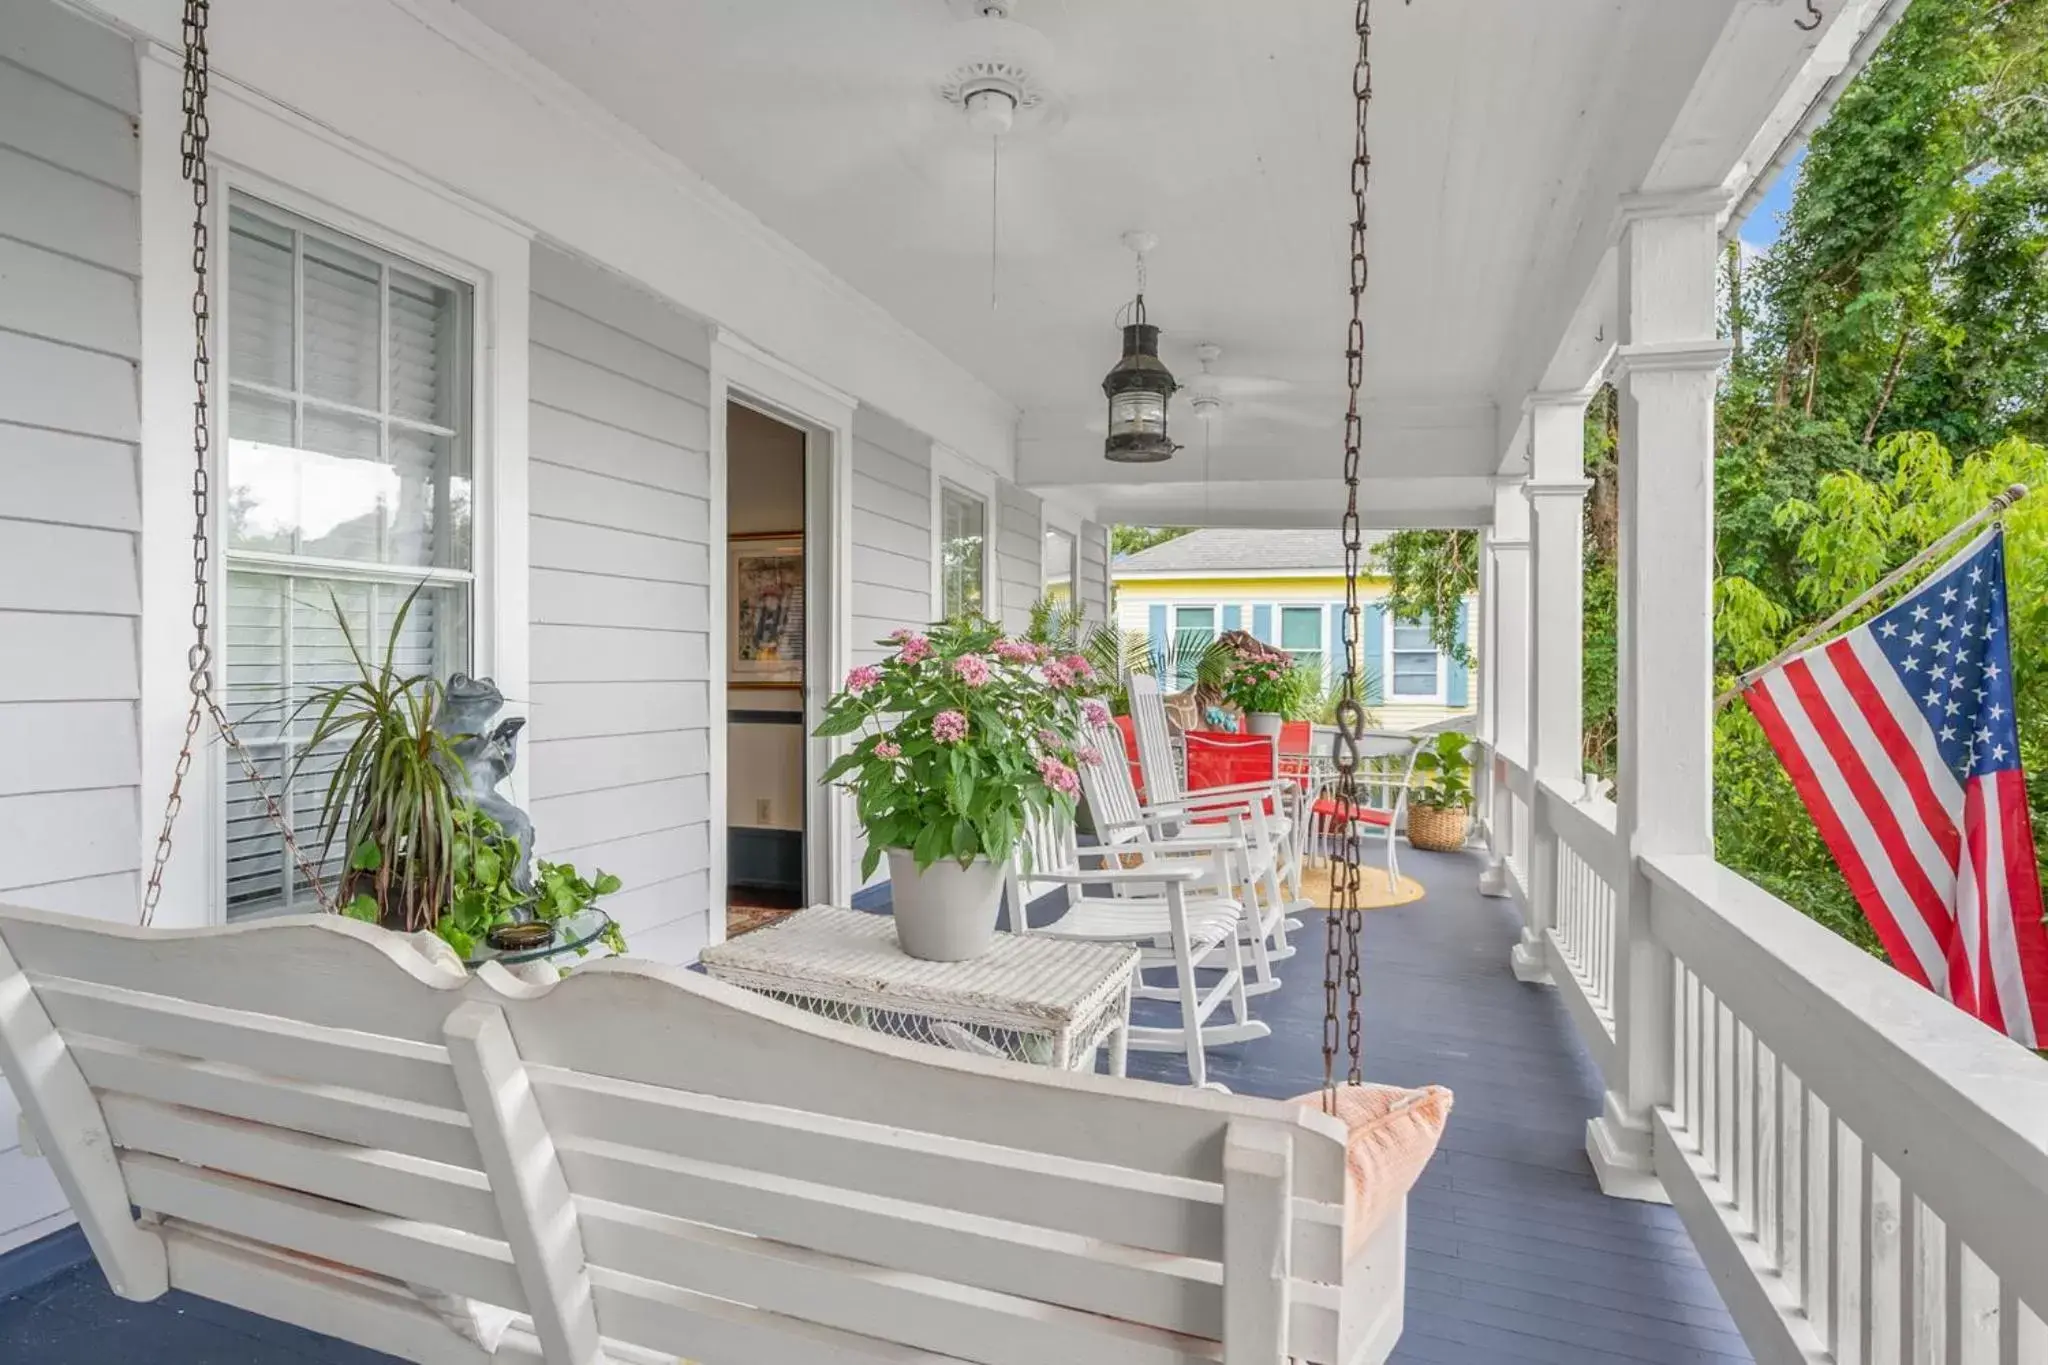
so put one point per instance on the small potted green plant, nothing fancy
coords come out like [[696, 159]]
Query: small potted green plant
[[963, 733], [1440, 800], [1265, 690]]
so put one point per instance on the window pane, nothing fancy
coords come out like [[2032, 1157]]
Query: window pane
[[1411, 636], [286, 640], [426, 350], [342, 353], [1194, 628], [260, 295], [963, 531], [1059, 565], [1301, 628], [310, 478], [1415, 675]]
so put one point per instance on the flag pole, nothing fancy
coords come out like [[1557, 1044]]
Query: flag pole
[[1996, 507]]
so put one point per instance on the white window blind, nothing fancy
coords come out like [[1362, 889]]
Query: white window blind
[[348, 487]]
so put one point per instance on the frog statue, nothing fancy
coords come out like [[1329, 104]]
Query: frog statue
[[486, 755]]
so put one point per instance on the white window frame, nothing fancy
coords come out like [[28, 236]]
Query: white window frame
[[950, 469], [1439, 697], [1053, 517], [274, 155]]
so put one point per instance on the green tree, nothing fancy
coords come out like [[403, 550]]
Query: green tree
[[1128, 540]]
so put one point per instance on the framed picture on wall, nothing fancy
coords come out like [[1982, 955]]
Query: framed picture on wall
[[767, 622]]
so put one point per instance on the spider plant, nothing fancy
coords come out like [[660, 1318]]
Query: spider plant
[[388, 794]]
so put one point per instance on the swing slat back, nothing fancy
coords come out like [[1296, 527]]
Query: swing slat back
[[639, 1157]]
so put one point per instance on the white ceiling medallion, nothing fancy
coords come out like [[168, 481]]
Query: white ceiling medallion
[[1000, 70]]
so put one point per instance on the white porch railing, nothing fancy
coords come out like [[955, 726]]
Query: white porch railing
[[1863, 1168]]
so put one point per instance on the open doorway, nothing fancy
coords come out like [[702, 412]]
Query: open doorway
[[769, 584]]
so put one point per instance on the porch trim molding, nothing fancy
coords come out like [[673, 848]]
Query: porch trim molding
[[1669, 357], [279, 155]]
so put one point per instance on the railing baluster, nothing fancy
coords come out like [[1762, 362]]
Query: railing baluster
[[1927, 1325], [1792, 1183], [1821, 1245], [1852, 1264], [1889, 1290], [1764, 1149]]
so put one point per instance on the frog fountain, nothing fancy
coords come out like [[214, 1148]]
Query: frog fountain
[[487, 754]]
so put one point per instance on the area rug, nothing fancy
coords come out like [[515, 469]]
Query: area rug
[[1372, 888], [744, 919]]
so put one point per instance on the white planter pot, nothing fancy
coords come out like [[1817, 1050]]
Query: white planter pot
[[1266, 723], [946, 912]]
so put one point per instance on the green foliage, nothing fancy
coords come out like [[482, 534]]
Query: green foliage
[[1128, 540], [388, 795], [1432, 573], [1112, 654], [1443, 773], [485, 894], [963, 733], [1262, 685]]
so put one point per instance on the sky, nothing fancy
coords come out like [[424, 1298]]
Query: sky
[[1761, 228]]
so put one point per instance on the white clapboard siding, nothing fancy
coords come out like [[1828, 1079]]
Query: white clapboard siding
[[618, 747], [1020, 554], [70, 256], [798, 1191], [892, 530], [1092, 589]]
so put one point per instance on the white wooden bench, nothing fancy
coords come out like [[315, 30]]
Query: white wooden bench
[[642, 1163]]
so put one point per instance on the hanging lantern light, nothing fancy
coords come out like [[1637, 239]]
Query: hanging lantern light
[[1139, 385]]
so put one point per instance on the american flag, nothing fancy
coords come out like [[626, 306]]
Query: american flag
[[1900, 737]]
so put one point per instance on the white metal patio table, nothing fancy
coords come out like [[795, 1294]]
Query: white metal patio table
[[1048, 1001]]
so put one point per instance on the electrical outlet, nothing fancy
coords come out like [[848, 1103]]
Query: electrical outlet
[[764, 810]]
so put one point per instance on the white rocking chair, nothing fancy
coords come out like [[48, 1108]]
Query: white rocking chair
[[1166, 787], [635, 1163], [1254, 854], [1176, 905]]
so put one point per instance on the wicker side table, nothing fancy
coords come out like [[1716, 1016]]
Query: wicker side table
[[1041, 1000]]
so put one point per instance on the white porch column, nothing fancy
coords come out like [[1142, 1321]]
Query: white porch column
[[1665, 371], [1484, 680], [1507, 553], [1556, 493]]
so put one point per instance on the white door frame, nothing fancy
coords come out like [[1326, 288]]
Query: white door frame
[[742, 372]]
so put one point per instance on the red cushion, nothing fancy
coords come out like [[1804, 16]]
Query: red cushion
[[1296, 737], [1229, 761], [1326, 809], [1129, 730]]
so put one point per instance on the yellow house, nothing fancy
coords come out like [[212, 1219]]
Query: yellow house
[[1287, 588]]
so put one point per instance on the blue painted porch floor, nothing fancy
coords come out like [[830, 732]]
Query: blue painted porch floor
[[1515, 1258]]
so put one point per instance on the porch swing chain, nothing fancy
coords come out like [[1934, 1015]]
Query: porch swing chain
[[199, 658], [1343, 924]]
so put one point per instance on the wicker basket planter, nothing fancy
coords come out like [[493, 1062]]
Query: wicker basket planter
[[1440, 829]]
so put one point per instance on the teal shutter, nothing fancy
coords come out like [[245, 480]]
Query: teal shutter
[[1233, 618], [1457, 681], [1262, 624], [1374, 659], [1158, 624]]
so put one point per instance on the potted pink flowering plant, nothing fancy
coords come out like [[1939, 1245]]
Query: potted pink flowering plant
[[963, 731]]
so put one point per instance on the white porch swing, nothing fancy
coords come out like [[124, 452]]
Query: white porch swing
[[323, 1125]]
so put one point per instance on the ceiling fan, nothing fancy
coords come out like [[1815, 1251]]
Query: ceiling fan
[[1210, 396]]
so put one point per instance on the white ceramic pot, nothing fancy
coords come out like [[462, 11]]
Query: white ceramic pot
[[945, 912], [1266, 723]]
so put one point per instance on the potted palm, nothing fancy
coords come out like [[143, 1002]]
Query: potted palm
[[963, 733], [1440, 801]]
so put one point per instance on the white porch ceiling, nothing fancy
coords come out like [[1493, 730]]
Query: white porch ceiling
[[1503, 133]]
